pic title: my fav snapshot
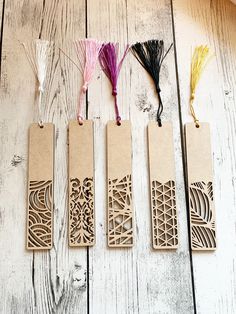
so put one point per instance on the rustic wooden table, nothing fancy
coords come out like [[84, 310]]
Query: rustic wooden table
[[101, 280]]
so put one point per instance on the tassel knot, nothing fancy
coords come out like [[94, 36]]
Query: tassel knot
[[158, 89], [41, 89], [114, 92], [118, 119], [159, 121], [192, 96], [85, 87]]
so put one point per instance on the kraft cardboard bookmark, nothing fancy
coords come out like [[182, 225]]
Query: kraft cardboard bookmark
[[119, 180], [81, 156], [150, 55], [199, 167], [39, 230]]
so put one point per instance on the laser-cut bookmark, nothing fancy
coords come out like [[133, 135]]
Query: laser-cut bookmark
[[150, 55], [39, 231], [81, 163], [119, 181], [199, 167]]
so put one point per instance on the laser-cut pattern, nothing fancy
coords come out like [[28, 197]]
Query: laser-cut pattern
[[164, 218], [202, 218], [120, 218], [81, 215], [40, 215]]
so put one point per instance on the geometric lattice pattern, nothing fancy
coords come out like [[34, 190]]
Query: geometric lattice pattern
[[202, 219], [120, 218], [39, 233], [164, 218], [81, 212]]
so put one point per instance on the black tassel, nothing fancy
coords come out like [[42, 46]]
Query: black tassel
[[150, 55]]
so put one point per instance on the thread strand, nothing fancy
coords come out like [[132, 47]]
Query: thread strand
[[150, 55], [111, 67], [87, 51], [200, 58], [38, 53]]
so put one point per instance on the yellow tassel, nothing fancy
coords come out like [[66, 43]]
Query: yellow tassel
[[200, 58]]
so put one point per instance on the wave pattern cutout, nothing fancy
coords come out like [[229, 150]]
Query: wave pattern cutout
[[164, 217], [202, 215], [81, 212], [40, 215], [120, 218]]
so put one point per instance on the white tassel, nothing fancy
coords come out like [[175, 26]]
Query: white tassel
[[38, 53]]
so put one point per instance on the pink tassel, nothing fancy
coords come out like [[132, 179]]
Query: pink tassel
[[87, 51], [108, 59]]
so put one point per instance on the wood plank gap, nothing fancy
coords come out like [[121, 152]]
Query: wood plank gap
[[183, 156], [42, 19], [1, 35], [86, 114]]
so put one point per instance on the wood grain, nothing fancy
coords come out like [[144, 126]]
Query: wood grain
[[81, 184], [40, 211], [139, 280], [120, 223], [37, 282], [162, 185], [136, 280], [200, 186], [213, 23]]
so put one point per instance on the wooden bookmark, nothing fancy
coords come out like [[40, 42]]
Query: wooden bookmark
[[120, 212], [199, 165], [81, 184], [40, 156], [200, 187], [162, 183], [81, 164], [40, 186]]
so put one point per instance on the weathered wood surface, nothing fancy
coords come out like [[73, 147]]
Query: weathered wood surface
[[103, 280], [136, 280], [213, 23], [40, 282]]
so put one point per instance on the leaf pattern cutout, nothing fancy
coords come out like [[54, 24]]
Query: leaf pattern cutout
[[202, 215]]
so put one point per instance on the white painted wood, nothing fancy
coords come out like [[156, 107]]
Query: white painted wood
[[214, 23], [137, 280], [40, 282]]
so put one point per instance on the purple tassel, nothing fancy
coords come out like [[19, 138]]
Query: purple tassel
[[108, 59]]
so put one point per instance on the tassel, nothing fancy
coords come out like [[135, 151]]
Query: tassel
[[150, 55], [38, 53], [200, 58], [108, 59], [87, 51]]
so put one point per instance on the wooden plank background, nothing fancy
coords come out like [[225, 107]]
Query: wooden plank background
[[101, 280]]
